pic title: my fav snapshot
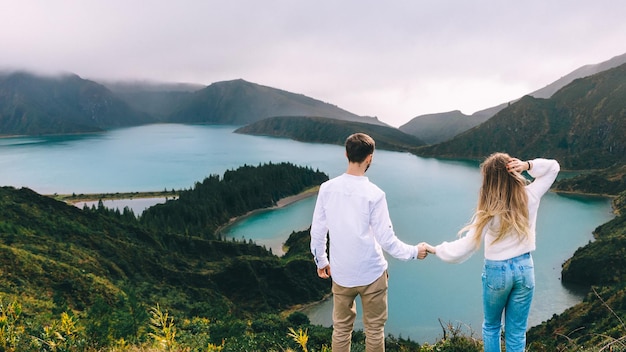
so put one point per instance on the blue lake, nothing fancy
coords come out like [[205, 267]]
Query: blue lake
[[429, 200]]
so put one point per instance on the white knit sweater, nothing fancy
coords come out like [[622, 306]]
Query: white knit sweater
[[544, 171]]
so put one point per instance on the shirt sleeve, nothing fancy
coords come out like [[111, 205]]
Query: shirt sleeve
[[458, 251], [385, 236], [544, 171], [319, 232]]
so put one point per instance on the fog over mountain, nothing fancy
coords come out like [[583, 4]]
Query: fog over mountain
[[33, 104]]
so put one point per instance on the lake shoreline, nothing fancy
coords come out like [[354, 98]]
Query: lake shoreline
[[92, 197], [584, 194], [283, 202]]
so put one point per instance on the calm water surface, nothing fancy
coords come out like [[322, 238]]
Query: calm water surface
[[429, 200]]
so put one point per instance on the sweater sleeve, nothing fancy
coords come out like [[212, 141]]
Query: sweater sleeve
[[544, 171], [458, 251]]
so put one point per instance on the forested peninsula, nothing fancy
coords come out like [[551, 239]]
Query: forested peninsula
[[330, 131]]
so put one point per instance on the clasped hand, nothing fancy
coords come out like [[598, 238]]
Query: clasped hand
[[423, 249]]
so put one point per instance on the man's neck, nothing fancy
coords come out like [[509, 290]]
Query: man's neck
[[356, 169]]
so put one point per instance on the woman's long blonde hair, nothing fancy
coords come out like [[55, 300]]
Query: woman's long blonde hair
[[501, 195]]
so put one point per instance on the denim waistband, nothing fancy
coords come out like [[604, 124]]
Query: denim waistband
[[510, 260]]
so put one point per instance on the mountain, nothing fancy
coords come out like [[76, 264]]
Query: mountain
[[38, 105], [435, 128], [239, 102], [582, 125], [155, 98], [610, 181], [440, 127], [332, 131], [584, 71]]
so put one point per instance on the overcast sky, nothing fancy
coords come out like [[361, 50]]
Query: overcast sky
[[386, 58]]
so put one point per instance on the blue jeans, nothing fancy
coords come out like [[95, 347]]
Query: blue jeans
[[508, 286]]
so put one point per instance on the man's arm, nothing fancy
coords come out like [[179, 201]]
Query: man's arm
[[386, 237], [319, 232]]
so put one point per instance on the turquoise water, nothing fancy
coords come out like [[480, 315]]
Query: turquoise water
[[429, 200]]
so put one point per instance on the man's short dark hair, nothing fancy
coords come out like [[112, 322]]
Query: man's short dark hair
[[359, 146]]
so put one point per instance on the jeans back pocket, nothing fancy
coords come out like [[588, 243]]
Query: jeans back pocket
[[494, 277]]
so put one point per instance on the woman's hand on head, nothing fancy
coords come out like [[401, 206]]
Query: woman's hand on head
[[516, 165]]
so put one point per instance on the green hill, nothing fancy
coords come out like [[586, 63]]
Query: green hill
[[582, 125], [37, 105], [435, 128], [56, 257], [239, 102], [610, 181], [596, 322], [331, 131], [440, 127]]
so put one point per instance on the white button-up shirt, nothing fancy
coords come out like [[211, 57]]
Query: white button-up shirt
[[353, 212]]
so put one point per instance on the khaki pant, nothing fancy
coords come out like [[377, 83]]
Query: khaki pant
[[374, 304]]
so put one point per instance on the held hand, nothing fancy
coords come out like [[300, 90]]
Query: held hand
[[430, 249], [324, 272], [421, 250]]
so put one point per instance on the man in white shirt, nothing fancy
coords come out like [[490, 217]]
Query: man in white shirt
[[353, 212]]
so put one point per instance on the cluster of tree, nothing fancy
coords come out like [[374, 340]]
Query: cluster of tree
[[609, 181], [213, 202]]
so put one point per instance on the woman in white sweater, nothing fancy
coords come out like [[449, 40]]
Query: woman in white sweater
[[505, 221]]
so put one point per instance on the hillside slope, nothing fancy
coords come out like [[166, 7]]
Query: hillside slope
[[154, 98], [331, 131], [55, 256], [440, 127], [239, 102], [35, 105], [595, 324], [435, 128], [583, 126]]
